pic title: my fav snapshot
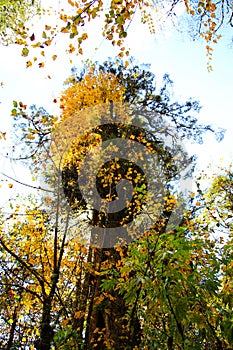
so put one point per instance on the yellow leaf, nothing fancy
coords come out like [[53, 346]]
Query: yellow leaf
[[41, 64], [38, 44], [28, 64], [72, 48], [10, 185], [54, 57], [19, 41]]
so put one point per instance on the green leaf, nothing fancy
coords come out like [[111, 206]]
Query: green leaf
[[122, 34], [24, 52], [14, 112]]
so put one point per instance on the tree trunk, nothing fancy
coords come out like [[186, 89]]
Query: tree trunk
[[12, 330], [107, 328], [46, 331]]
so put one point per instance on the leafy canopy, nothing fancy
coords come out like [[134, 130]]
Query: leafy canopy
[[206, 18]]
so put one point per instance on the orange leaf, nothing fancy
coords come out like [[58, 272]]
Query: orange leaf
[[48, 42], [84, 36], [64, 30]]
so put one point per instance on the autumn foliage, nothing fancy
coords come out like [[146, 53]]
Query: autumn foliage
[[207, 18], [170, 288]]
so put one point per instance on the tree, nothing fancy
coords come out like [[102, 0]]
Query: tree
[[180, 284], [78, 293], [218, 204], [217, 218]]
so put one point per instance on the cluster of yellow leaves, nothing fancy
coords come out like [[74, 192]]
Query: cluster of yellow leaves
[[27, 235], [94, 89], [82, 104]]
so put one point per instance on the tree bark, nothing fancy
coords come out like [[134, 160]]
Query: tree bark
[[12, 330], [46, 331], [108, 326]]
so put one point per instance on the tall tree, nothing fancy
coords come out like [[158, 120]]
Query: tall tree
[[155, 110], [77, 302]]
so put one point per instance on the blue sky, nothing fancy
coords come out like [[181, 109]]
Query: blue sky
[[170, 52]]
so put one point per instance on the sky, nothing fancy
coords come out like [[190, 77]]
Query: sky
[[168, 51]]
